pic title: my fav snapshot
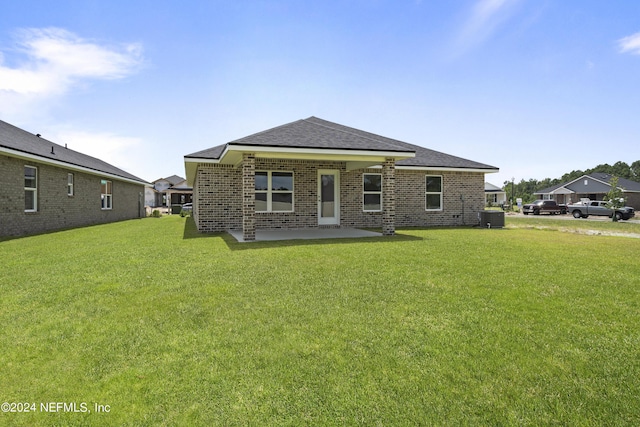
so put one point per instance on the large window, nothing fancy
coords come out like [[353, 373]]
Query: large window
[[372, 192], [106, 194], [433, 195], [69, 184], [30, 189], [274, 191]]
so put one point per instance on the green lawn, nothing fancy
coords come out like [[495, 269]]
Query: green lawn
[[518, 326]]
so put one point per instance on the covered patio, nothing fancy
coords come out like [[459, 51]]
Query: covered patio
[[305, 233]]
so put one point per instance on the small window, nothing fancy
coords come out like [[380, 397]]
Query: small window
[[274, 191], [69, 184], [433, 194], [372, 192], [30, 189], [106, 194]]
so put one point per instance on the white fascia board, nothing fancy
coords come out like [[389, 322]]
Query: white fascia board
[[70, 166], [583, 177], [445, 169], [200, 160], [562, 190], [319, 152]]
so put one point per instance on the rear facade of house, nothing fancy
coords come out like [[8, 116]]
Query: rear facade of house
[[314, 173], [46, 187]]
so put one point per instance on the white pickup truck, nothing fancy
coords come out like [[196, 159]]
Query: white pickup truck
[[584, 208]]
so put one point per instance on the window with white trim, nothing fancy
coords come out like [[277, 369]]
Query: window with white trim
[[372, 192], [106, 194], [69, 184], [433, 193], [30, 189], [274, 191]]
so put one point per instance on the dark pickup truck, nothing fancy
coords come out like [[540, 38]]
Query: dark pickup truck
[[585, 208], [542, 206]]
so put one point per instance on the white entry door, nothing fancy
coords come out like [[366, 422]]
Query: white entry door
[[328, 197]]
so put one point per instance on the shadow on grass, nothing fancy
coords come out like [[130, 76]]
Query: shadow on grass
[[64, 229], [191, 232]]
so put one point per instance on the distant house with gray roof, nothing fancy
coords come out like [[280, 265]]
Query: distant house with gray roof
[[495, 195], [47, 186], [313, 173], [170, 191], [594, 187]]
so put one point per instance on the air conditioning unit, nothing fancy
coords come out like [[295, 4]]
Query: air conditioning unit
[[491, 219]]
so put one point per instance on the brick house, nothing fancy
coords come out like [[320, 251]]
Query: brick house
[[314, 173], [46, 186], [594, 186], [170, 191]]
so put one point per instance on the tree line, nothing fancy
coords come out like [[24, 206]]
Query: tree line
[[525, 189]]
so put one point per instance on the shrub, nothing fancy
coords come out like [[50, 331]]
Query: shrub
[[156, 213]]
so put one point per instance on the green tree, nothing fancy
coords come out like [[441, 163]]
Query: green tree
[[635, 170], [614, 197]]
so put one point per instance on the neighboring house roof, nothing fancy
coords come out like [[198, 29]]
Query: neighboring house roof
[[173, 180], [623, 183], [176, 183], [550, 190], [318, 135], [596, 182], [181, 187], [490, 188], [17, 142]]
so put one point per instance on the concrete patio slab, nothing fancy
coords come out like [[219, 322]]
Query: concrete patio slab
[[306, 234]]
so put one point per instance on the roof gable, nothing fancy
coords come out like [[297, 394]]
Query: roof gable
[[18, 142], [588, 184]]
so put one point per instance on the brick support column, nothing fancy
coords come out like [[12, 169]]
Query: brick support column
[[388, 197], [249, 196]]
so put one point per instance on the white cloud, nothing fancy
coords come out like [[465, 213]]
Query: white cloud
[[54, 59], [483, 20], [630, 44], [46, 64], [111, 148]]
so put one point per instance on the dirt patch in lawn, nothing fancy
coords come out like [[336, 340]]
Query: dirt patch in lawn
[[585, 232]]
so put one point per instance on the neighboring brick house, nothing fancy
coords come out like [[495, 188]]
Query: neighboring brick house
[[313, 173], [46, 186], [170, 191], [594, 186]]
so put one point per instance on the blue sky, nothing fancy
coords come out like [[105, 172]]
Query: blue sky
[[537, 88]]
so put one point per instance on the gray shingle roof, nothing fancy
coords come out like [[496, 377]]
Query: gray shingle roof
[[173, 179], [602, 177], [550, 189], [622, 182], [317, 133], [20, 140]]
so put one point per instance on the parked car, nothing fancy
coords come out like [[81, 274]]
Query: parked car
[[187, 208], [585, 208], [542, 206]]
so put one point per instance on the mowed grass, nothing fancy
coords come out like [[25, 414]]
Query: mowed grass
[[430, 327]]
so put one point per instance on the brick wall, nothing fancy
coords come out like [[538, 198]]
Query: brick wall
[[218, 197], [57, 210], [633, 200], [463, 197]]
